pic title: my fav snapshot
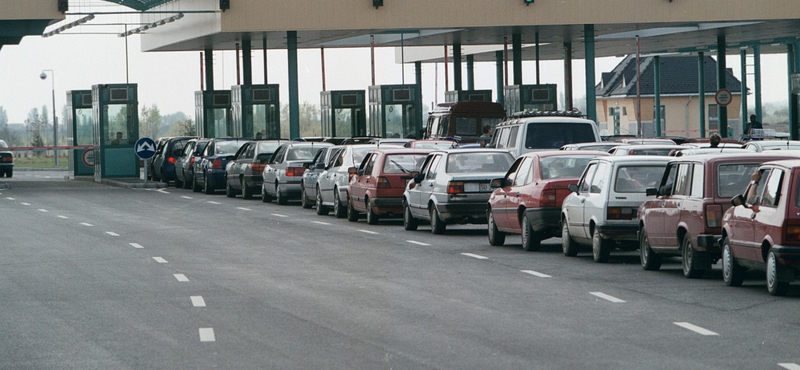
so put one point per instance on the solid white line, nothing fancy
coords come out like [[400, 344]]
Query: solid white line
[[607, 297], [136, 245], [695, 328], [279, 215], [181, 277], [64, 217], [25, 204], [478, 256], [86, 224], [186, 197], [213, 202], [790, 366], [417, 243], [112, 233], [368, 232], [207, 335], [320, 222], [160, 260], [534, 273], [244, 209], [43, 210], [198, 301]]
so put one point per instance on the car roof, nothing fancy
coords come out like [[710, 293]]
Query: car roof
[[564, 153], [403, 151], [788, 163], [635, 159], [739, 157], [470, 150], [650, 146]]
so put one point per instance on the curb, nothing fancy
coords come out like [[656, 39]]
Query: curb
[[133, 184]]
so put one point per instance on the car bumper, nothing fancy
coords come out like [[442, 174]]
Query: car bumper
[[387, 205], [544, 219], [619, 232], [216, 178], [467, 212], [254, 181], [786, 255], [291, 190], [709, 243]]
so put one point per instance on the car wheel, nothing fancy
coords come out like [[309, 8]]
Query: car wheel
[[568, 245], [352, 214], [247, 193], [321, 209], [207, 187], [196, 186], [496, 237], [10, 172], [531, 241], [372, 217], [694, 262], [265, 197], [186, 182], [774, 286], [305, 202], [178, 183], [601, 248], [437, 225], [732, 272], [229, 192], [409, 222], [279, 197], [339, 210], [649, 259]]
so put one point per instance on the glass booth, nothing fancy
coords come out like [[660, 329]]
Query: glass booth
[[116, 130], [343, 113], [530, 97], [80, 132], [467, 95], [212, 113], [395, 111], [256, 111]]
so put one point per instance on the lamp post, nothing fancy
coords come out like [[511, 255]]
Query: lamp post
[[43, 76]]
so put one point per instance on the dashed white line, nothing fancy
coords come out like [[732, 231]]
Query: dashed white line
[[162, 191], [198, 301], [64, 217], [790, 366], [10, 198], [695, 328], [607, 297], [244, 209], [181, 277], [537, 274], [136, 245], [112, 233], [213, 202], [43, 210], [321, 223], [417, 243], [160, 260], [186, 197], [478, 256], [25, 204], [279, 215], [86, 224], [207, 335], [368, 232]]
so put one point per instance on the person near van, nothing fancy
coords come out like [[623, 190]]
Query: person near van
[[715, 139], [753, 124], [486, 137]]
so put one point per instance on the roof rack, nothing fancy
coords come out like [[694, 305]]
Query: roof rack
[[547, 113]]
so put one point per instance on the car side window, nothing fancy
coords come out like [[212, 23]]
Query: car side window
[[512, 172], [756, 198], [583, 185], [242, 152], [338, 161], [251, 151], [668, 181], [369, 163], [600, 178], [278, 156], [772, 189], [698, 184], [512, 138], [501, 140], [523, 172], [433, 169], [683, 180]]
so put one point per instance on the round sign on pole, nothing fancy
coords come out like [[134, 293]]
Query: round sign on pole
[[145, 148], [723, 97], [88, 157]]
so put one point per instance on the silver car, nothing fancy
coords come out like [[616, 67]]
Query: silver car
[[453, 186], [284, 171], [308, 185], [333, 184]]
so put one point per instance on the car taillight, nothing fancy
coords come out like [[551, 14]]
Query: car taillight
[[257, 167], [191, 160], [295, 171], [620, 213], [217, 164], [713, 214], [383, 183], [549, 198], [455, 187], [792, 233], [172, 160]]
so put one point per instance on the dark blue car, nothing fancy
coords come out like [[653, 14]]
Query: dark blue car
[[209, 171]]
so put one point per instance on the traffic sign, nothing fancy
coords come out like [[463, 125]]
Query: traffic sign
[[88, 157], [723, 97], [145, 148]]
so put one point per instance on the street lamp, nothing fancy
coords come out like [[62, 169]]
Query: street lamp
[[43, 76]]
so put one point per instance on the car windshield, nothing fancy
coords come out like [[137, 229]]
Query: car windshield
[[563, 167], [228, 147], [638, 178], [403, 163], [554, 135], [732, 179], [479, 162]]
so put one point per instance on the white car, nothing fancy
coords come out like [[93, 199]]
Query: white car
[[602, 209], [334, 182]]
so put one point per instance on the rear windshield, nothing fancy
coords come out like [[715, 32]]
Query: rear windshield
[[637, 179], [268, 146], [467, 126], [434, 144], [403, 163], [563, 167], [555, 135], [479, 162], [360, 152], [227, 147], [304, 153], [732, 179]]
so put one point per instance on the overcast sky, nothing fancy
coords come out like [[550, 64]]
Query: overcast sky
[[169, 79]]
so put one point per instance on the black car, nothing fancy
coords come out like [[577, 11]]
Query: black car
[[167, 154], [209, 171], [243, 172], [184, 168]]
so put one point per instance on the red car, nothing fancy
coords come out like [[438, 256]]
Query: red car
[[762, 230], [528, 199], [378, 186]]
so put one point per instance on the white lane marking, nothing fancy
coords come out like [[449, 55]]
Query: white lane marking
[[25, 204], [790, 366], [160, 260], [181, 277], [43, 210], [136, 245], [417, 243], [162, 191], [368, 232], [537, 274], [320, 223], [279, 215], [244, 209], [198, 301], [478, 256], [186, 197], [607, 297], [10, 198], [112, 233], [207, 335], [213, 202], [64, 217], [695, 328], [86, 224]]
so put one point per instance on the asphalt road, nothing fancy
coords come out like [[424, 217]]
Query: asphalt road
[[99, 277]]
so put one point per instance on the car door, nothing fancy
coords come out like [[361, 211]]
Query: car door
[[272, 168], [594, 207], [427, 186], [672, 205], [327, 178], [767, 218], [234, 168], [742, 235], [362, 180], [573, 204], [502, 203], [414, 189], [514, 195]]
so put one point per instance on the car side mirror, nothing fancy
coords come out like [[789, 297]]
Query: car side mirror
[[414, 174], [360, 172], [665, 190], [418, 179], [352, 170], [573, 188], [651, 192], [738, 200], [497, 183]]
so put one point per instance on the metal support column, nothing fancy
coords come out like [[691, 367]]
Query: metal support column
[[757, 80], [470, 72], [792, 51], [266, 72], [657, 94], [457, 66], [722, 72], [567, 76], [418, 74], [743, 61], [591, 99], [247, 61], [498, 63], [294, 96], [516, 44], [538, 74], [209, 62], [701, 84]]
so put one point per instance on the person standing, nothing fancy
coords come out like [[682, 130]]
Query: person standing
[[753, 124], [486, 137]]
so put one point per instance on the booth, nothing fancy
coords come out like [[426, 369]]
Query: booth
[[80, 132], [343, 113], [395, 111], [467, 95], [213, 116], [530, 97], [256, 111], [116, 130]]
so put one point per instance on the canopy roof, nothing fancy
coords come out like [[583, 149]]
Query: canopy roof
[[139, 4]]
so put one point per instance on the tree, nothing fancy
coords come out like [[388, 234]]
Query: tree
[[309, 120], [150, 122], [184, 127]]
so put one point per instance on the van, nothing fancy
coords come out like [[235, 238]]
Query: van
[[529, 131], [463, 120]]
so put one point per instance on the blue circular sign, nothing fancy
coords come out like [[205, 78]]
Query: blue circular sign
[[145, 148]]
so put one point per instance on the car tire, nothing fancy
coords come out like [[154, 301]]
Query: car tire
[[732, 272], [178, 183], [601, 248], [694, 263], [372, 217], [229, 192], [207, 187], [186, 183], [305, 202], [568, 245], [649, 259], [438, 227], [265, 197], [409, 222], [531, 240], [352, 214], [279, 197], [10, 173], [247, 192], [339, 210], [496, 237], [775, 287], [321, 209], [195, 186]]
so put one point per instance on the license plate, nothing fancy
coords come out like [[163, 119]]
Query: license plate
[[474, 187]]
